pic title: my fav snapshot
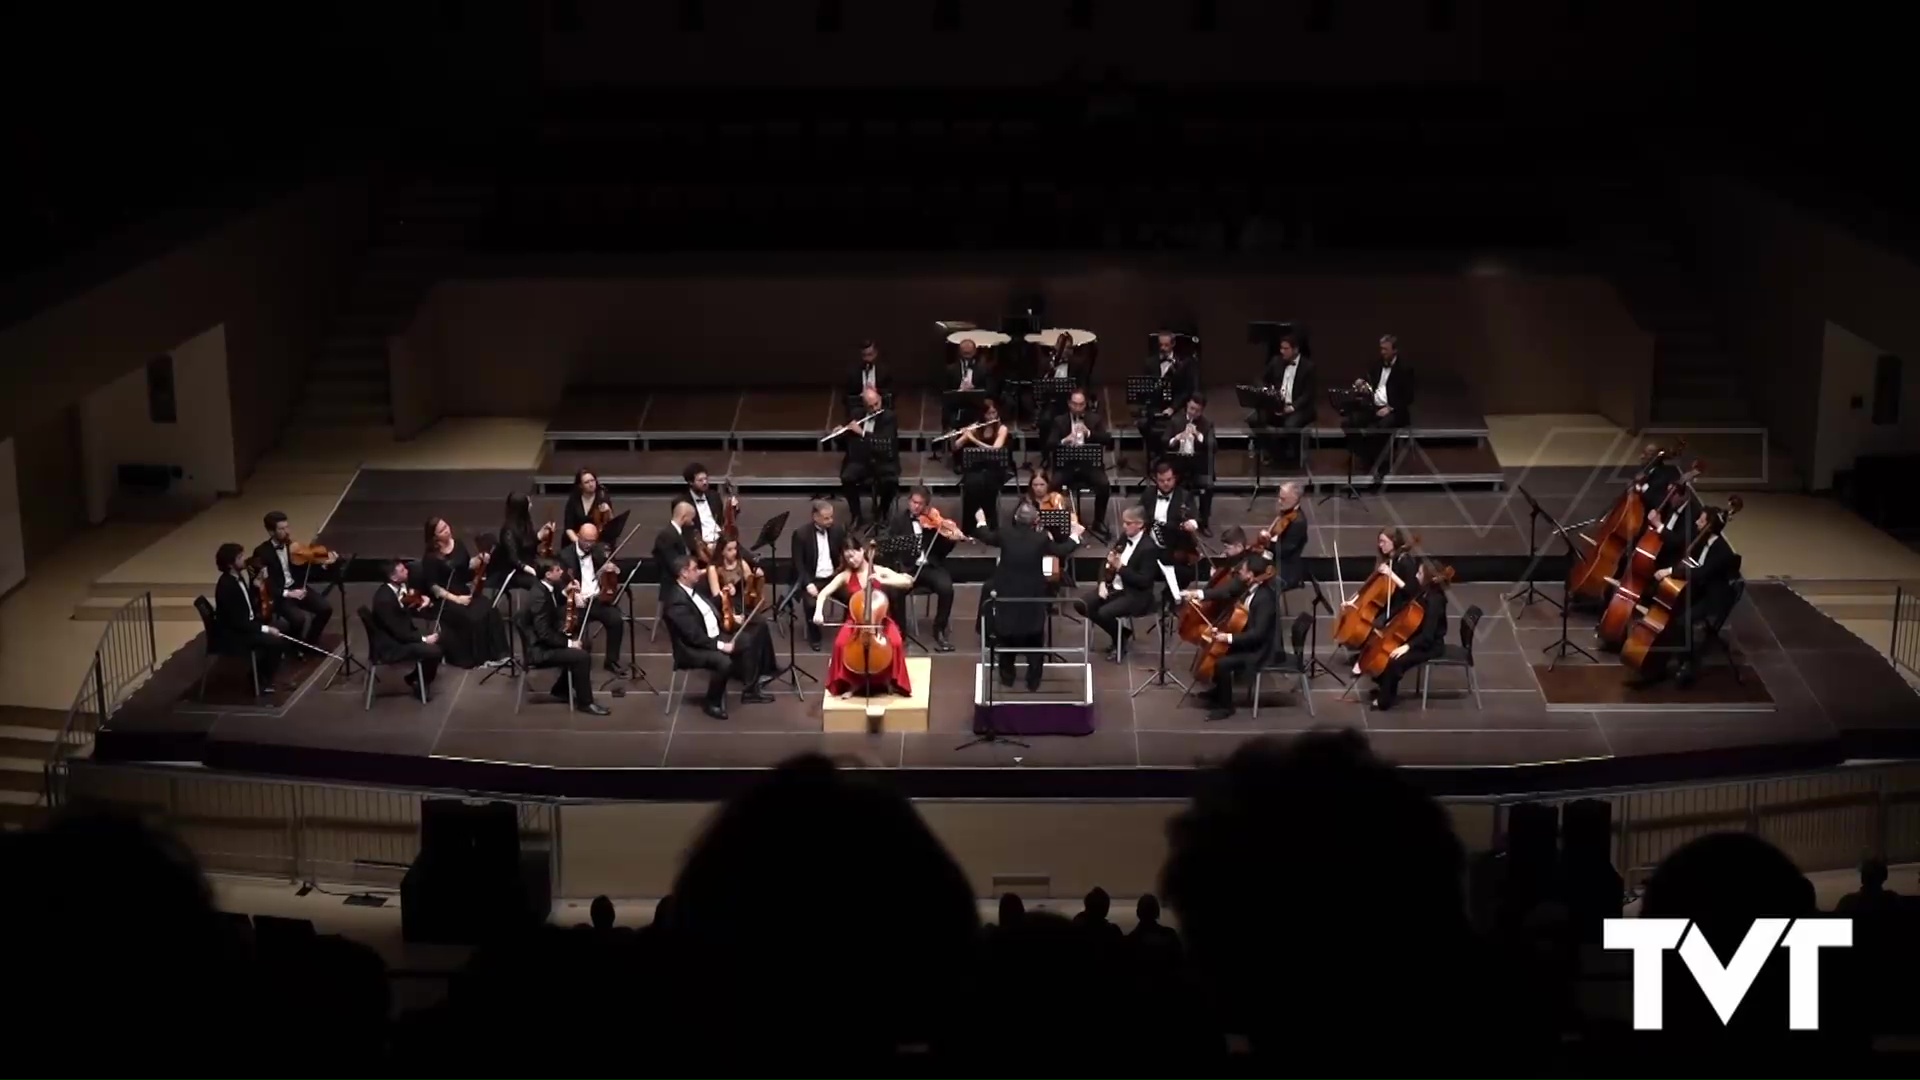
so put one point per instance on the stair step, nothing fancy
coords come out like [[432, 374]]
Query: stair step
[[27, 716], [337, 413], [21, 774], [21, 810], [26, 742]]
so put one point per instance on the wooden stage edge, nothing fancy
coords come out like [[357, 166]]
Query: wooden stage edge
[[1610, 688]]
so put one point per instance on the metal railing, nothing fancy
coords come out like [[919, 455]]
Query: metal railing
[[126, 654], [1905, 646]]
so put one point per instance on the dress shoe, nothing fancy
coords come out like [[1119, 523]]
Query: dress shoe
[[940, 642], [1220, 712], [592, 708], [718, 712], [615, 667], [814, 644], [755, 697], [558, 693], [1206, 531], [1006, 679]]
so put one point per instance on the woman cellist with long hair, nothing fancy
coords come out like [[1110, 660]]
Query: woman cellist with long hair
[[1382, 593], [1426, 602], [869, 639]]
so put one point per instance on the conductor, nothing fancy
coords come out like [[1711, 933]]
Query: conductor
[[1013, 620]]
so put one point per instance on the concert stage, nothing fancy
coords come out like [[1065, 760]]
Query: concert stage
[[1828, 696]]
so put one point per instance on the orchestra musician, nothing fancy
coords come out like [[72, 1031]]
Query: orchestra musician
[[584, 558], [586, 500], [237, 615], [980, 483], [1079, 426], [968, 371], [472, 631], [297, 609], [1126, 588], [1392, 548], [856, 575], [1019, 576], [866, 373], [870, 470], [1191, 447], [1064, 362], [816, 546], [1293, 381], [518, 546], [728, 578], [1393, 387], [1710, 573], [548, 644], [1167, 503], [1177, 372], [1426, 642], [693, 627], [1289, 548], [933, 545], [680, 537], [1233, 542], [708, 507], [1247, 649], [396, 640]]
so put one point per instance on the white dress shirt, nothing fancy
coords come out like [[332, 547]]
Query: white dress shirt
[[286, 565], [245, 593], [823, 554], [866, 376], [589, 581], [1126, 559], [706, 612], [1380, 391], [709, 528], [1286, 382], [1161, 504], [1166, 365]]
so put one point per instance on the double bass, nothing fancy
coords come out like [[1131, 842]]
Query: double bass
[[1212, 645], [868, 653], [1358, 615], [1668, 596], [1400, 629], [1622, 525], [1617, 619]]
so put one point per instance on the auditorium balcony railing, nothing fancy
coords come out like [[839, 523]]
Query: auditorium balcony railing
[[1905, 646], [126, 654]]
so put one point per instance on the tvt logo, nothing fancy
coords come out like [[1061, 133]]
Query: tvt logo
[[1726, 986]]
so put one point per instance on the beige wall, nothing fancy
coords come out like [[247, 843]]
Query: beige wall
[[52, 482], [273, 277], [1780, 277], [1527, 341], [1847, 363], [116, 427]]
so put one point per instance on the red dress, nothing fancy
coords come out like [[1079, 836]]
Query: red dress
[[842, 681]]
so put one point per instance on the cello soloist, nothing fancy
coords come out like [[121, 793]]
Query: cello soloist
[[869, 639]]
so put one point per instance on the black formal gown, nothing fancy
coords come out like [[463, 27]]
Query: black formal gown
[[470, 634]]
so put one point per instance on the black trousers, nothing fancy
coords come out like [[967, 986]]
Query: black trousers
[[806, 610], [980, 490], [717, 662], [1083, 479], [1008, 659], [862, 484], [304, 618], [608, 618], [1226, 669], [1373, 444], [267, 655], [1387, 685], [1106, 614], [573, 664], [402, 652], [1286, 428], [938, 580]]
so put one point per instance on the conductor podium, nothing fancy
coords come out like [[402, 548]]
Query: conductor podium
[[860, 714]]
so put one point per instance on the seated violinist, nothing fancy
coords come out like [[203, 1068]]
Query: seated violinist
[[1247, 650], [1709, 573], [1289, 547], [297, 608], [585, 558], [237, 620], [396, 640], [587, 503], [739, 585], [699, 640], [709, 509], [1424, 644], [865, 583], [930, 573]]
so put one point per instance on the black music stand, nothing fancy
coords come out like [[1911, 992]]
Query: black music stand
[[1565, 643], [1314, 666], [973, 458], [898, 549], [1346, 403], [1258, 401], [964, 404], [785, 607], [338, 581], [1531, 593], [634, 671], [1087, 457]]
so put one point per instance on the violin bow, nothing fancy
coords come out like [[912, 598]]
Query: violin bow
[[311, 648]]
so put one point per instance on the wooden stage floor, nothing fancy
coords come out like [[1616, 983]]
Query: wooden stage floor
[[1826, 695]]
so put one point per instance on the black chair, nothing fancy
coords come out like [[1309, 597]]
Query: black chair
[[523, 629], [219, 647], [374, 664], [1714, 626], [679, 679], [1296, 665], [1460, 656]]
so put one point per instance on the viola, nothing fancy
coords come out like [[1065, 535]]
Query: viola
[[729, 517], [868, 652], [1622, 525], [571, 596], [1666, 599], [1358, 615], [546, 534], [483, 545], [750, 591], [413, 599], [309, 554], [1213, 645], [1627, 596], [1400, 628], [602, 514], [263, 589]]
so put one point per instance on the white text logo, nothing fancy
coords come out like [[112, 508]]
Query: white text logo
[[1726, 986]]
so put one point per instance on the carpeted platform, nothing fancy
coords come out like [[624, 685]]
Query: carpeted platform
[[1833, 696]]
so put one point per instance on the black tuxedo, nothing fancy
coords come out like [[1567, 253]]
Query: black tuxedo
[[856, 383], [237, 626], [871, 471], [952, 415], [1425, 644], [304, 618], [1134, 596], [715, 505], [1080, 478], [934, 577], [806, 551], [1376, 447], [1181, 506], [1305, 401], [1181, 380], [1195, 470], [396, 639], [1289, 552], [545, 629], [1020, 576], [1079, 372], [1251, 648], [605, 612], [669, 543], [695, 648]]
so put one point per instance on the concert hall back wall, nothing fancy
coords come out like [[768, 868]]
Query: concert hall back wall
[[1525, 341]]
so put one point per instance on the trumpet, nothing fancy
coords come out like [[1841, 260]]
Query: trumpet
[[1362, 386], [1078, 436], [1186, 439], [848, 426]]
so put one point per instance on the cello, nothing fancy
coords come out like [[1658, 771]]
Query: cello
[[868, 653], [1400, 629], [1358, 615], [1198, 618], [1632, 587], [1622, 525], [1212, 645], [1668, 594]]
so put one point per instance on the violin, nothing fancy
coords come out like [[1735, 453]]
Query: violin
[[1618, 617], [751, 587], [315, 554], [1668, 594], [571, 594], [1274, 531], [1400, 628], [1358, 615], [1112, 568], [1213, 645], [483, 546], [263, 588], [868, 653], [1624, 521], [545, 536], [729, 517], [413, 599]]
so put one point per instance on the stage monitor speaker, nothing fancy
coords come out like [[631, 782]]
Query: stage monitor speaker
[[469, 883]]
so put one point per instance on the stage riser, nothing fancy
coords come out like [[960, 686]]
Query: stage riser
[[829, 486], [1129, 439]]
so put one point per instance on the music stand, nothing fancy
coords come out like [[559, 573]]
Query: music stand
[[1049, 399], [1073, 460], [347, 662], [974, 458], [898, 549], [1565, 642], [1146, 396], [1259, 402], [1345, 403], [634, 671], [786, 606], [1531, 591], [1315, 667], [963, 404]]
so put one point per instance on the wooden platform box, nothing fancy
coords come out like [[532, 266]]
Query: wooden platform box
[[883, 712]]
